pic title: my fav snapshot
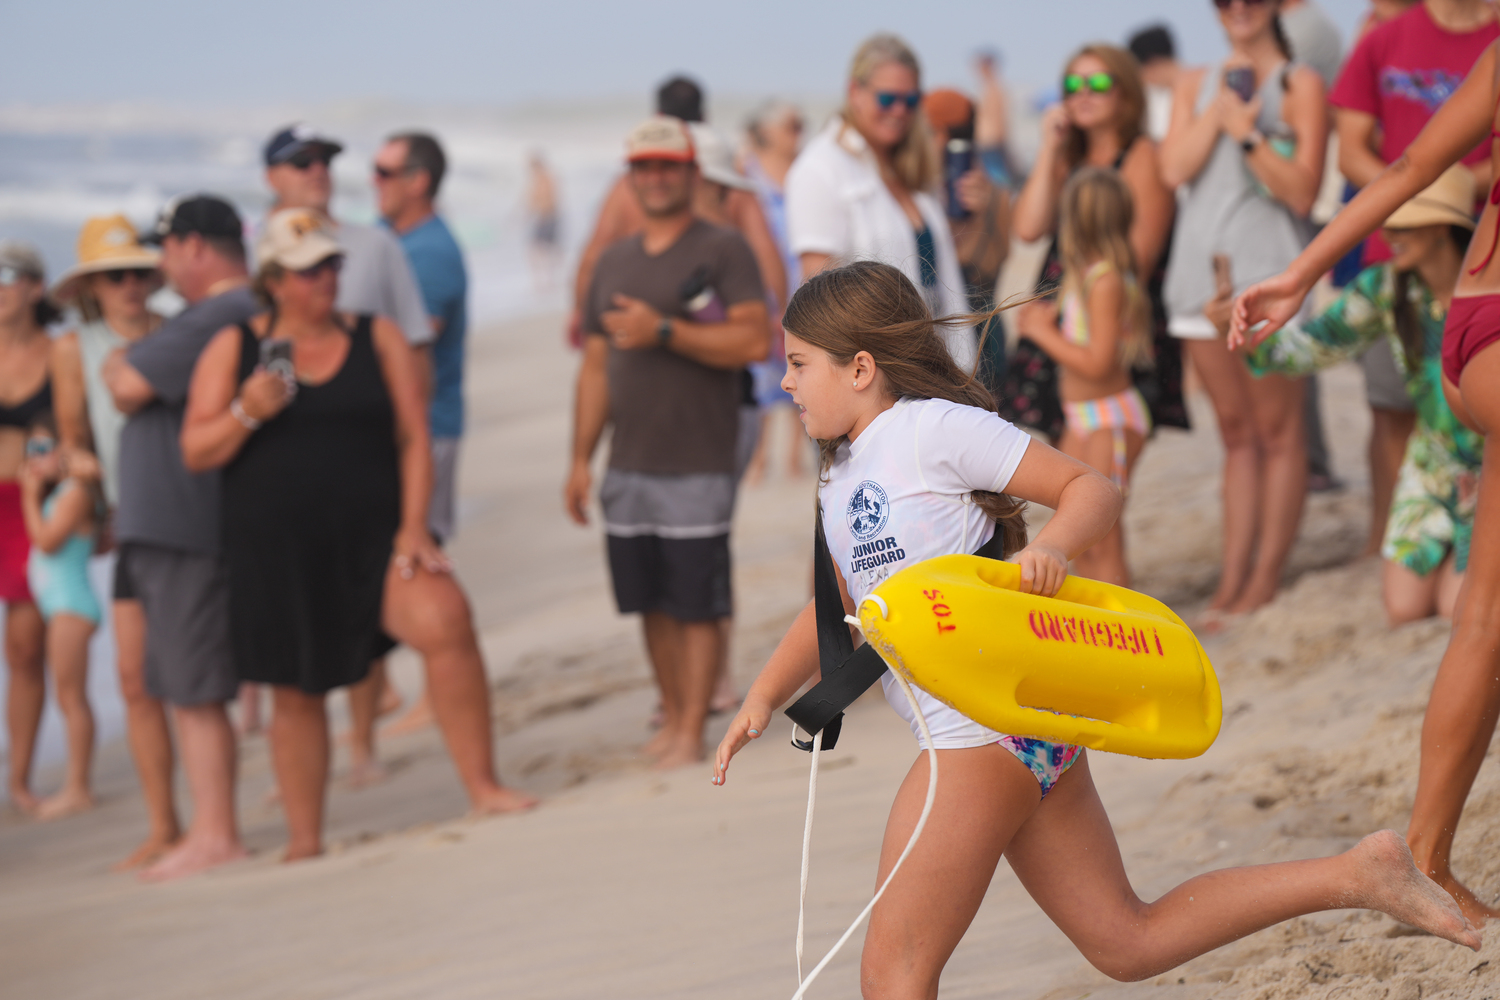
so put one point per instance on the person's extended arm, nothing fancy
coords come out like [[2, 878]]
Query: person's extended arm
[[69, 400], [413, 545], [1359, 161], [1459, 125], [211, 433], [1085, 504], [1154, 207], [1190, 137], [69, 513], [1035, 212], [751, 222], [1037, 322], [1342, 332], [590, 414], [1292, 181], [130, 389], [744, 335], [612, 225]]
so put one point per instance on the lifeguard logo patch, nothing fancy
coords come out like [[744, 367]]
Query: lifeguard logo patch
[[868, 511]]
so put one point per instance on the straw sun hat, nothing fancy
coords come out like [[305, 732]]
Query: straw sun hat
[[107, 243], [1448, 201]]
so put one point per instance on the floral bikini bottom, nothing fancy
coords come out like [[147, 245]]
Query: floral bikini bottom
[[1047, 761]]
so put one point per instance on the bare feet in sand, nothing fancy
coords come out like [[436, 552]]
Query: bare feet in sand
[[1389, 881], [68, 802], [23, 801], [191, 856], [503, 800], [365, 773], [658, 744], [418, 717], [150, 850], [1476, 911], [680, 752]]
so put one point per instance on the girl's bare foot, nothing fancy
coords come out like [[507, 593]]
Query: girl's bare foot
[[1388, 880], [1475, 911], [503, 800], [680, 753], [365, 773], [67, 802], [23, 801], [150, 850], [192, 856]]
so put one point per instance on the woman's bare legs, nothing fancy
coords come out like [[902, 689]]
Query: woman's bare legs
[[248, 703], [1228, 383], [365, 699], [299, 753], [1465, 699], [1064, 852], [1106, 559], [147, 733], [25, 696], [68, 658], [1278, 407], [430, 613], [1409, 597], [1389, 432]]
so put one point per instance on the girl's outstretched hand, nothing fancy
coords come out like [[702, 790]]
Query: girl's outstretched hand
[[1273, 301], [748, 725], [1043, 569]]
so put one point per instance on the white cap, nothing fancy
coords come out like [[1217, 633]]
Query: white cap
[[715, 161]]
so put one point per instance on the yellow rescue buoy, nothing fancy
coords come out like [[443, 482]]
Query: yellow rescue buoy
[[1097, 665]]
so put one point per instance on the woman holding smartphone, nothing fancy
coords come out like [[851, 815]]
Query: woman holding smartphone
[[1247, 141]]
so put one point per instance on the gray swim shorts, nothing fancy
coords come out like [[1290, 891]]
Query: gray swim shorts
[[185, 596]]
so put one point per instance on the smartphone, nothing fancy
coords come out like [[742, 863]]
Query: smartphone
[[958, 159], [276, 356], [1241, 80]]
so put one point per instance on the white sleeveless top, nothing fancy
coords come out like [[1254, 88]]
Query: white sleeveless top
[[95, 341]]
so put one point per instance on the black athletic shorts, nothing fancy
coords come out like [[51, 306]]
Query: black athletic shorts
[[668, 539]]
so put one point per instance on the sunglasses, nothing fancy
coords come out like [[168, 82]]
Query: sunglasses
[[120, 275], [39, 447], [1226, 4], [387, 174], [334, 264], [305, 158], [887, 99], [1098, 83]]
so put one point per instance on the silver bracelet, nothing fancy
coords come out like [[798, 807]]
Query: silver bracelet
[[237, 411]]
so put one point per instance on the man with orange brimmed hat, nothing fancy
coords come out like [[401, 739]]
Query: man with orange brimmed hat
[[671, 317]]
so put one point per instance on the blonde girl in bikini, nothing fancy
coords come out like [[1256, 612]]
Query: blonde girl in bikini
[[913, 453], [1102, 329]]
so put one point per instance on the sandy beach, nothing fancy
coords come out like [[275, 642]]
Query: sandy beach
[[627, 883]]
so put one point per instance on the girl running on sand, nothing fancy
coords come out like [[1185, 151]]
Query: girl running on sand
[[912, 450], [1105, 330], [1465, 699], [61, 507]]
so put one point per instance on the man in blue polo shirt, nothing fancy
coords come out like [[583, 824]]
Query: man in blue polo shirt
[[408, 171]]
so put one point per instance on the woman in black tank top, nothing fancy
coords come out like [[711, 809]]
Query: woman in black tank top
[[25, 394]]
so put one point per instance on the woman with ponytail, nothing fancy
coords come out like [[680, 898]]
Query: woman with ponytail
[[916, 464], [1247, 143]]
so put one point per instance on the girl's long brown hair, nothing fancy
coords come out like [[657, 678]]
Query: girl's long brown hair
[[870, 306], [1095, 217]]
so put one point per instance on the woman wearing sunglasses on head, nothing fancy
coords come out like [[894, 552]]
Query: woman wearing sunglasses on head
[[863, 188], [25, 392], [1246, 143], [1101, 122]]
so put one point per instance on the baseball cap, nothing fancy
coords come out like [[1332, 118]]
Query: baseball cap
[[204, 214], [297, 238], [659, 138], [23, 258], [715, 161], [294, 139], [1447, 201]]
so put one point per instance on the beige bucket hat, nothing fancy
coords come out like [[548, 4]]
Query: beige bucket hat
[[1448, 201]]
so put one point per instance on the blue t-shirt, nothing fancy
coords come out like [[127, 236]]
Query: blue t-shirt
[[439, 266]]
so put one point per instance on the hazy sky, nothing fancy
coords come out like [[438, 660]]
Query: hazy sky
[[501, 52]]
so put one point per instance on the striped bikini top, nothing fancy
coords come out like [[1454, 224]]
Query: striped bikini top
[[1074, 319]]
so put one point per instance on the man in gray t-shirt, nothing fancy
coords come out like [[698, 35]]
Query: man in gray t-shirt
[[168, 570]]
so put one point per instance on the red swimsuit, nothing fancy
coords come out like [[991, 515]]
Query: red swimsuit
[[1473, 321]]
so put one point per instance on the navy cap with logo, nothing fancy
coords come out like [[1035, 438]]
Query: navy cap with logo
[[294, 139], [197, 213]]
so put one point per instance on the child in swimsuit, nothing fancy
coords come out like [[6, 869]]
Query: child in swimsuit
[[916, 464], [61, 512], [1104, 330], [1465, 701]]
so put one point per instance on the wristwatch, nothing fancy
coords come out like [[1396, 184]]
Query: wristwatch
[[664, 331], [1252, 139]]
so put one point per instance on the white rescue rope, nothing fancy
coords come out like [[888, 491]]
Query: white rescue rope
[[812, 790]]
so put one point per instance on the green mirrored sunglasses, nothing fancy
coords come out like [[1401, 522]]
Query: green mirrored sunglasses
[[1099, 83]]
